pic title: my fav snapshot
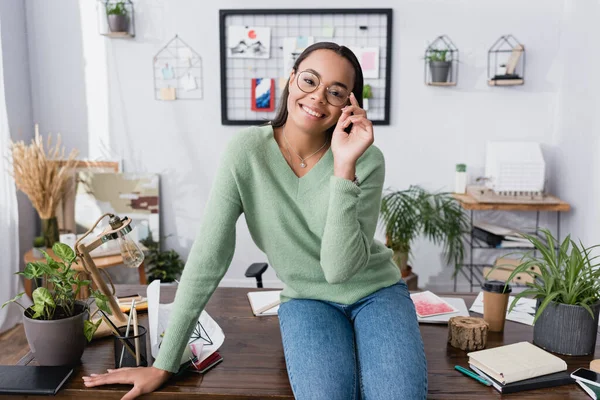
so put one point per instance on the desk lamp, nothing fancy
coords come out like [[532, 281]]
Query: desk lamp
[[132, 255]]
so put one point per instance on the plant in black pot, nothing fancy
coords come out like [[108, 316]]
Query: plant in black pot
[[439, 65], [567, 290], [408, 214], [118, 20], [57, 325], [165, 266]]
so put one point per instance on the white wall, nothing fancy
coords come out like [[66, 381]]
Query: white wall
[[431, 128], [18, 100]]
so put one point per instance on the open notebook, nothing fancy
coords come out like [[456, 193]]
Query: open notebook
[[264, 303]]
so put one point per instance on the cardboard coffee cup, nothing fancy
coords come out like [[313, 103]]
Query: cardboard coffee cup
[[495, 303]]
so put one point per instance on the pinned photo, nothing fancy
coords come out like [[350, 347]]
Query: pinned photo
[[263, 94], [248, 42]]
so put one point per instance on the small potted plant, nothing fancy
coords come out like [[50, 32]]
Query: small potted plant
[[39, 244], [439, 65], [408, 214], [118, 20], [567, 290], [165, 266], [367, 94], [57, 325]]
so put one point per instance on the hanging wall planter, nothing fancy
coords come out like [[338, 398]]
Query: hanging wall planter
[[441, 62], [506, 62], [116, 18]]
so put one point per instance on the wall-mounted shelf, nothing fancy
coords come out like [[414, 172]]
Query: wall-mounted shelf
[[117, 34], [116, 18], [441, 83], [441, 63], [506, 82], [506, 62]]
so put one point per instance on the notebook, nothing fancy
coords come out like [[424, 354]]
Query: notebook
[[22, 379], [264, 303], [516, 362], [541, 382]]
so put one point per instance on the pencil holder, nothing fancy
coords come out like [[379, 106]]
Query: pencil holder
[[130, 350]]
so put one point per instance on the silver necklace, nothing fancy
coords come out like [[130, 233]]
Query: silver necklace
[[302, 160]]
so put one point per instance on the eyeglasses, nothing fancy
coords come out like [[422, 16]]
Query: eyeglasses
[[336, 95]]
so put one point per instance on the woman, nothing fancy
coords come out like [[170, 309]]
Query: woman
[[310, 193]]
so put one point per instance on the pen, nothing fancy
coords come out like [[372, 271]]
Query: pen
[[137, 339], [472, 375], [127, 332]]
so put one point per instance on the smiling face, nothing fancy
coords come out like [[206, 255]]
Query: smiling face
[[312, 112]]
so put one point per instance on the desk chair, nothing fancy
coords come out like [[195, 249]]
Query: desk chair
[[255, 271]]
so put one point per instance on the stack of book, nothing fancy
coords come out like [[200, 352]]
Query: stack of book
[[518, 367], [498, 236]]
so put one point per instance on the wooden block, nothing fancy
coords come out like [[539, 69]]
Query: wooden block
[[595, 366], [467, 333]]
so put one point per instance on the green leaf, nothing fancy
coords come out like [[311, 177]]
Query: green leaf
[[14, 299], [89, 328], [43, 296], [64, 252]]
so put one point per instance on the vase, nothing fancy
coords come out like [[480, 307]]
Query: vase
[[50, 231], [567, 329], [439, 71]]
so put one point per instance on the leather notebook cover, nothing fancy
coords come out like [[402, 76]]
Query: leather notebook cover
[[541, 382], [21, 379], [516, 362]]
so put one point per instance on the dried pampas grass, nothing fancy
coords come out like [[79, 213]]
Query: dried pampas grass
[[43, 175]]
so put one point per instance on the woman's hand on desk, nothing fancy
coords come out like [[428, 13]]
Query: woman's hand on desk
[[143, 379]]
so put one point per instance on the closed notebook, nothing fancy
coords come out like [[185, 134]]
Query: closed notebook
[[541, 382], [267, 301], [21, 379], [516, 362]]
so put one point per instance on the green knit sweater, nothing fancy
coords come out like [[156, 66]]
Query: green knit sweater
[[317, 231]]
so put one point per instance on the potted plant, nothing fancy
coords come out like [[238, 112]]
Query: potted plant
[[57, 325], [567, 290], [165, 266], [439, 65], [367, 94], [408, 214], [118, 20], [39, 244]]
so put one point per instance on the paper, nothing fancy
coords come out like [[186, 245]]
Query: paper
[[523, 312], [188, 82], [167, 93], [428, 304], [158, 320], [455, 302], [259, 300], [167, 72], [328, 31], [292, 48], [368, 57], [248, 42]]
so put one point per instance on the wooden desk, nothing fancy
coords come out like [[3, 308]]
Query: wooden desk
[[101, 263], [253, 364]]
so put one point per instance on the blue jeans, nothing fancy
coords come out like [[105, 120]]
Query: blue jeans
[[368, 350]]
